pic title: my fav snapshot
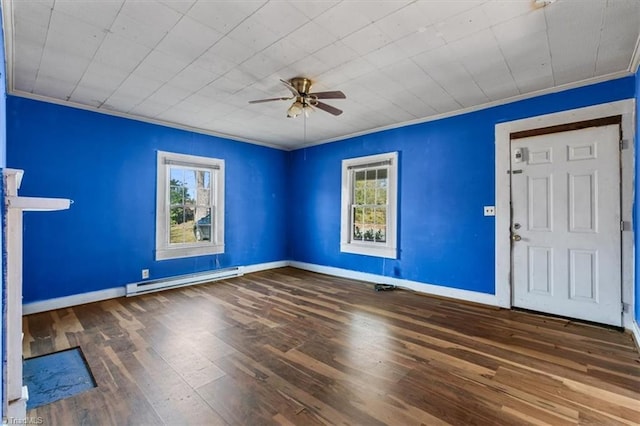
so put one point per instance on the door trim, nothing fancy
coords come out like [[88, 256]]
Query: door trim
[[503, 133]]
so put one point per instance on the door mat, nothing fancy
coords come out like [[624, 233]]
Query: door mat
[[56, 376]]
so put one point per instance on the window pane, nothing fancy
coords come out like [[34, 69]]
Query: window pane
[[381, 235], [203, 224], [176, 193], [176, 174], [203, 188], [370, 193]]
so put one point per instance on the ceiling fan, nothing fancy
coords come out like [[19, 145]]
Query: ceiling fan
[[305, 101]]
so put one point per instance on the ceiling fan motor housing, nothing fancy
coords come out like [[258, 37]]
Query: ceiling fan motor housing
[[301, 84]]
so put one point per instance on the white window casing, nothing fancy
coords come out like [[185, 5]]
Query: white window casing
[[213, 196], [385, 247]]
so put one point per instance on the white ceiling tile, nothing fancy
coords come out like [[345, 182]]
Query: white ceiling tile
[[96, 12], [499, 11], [345, 72], [288, 18], [213, 63], [387, 55], [130, 29], [152, 14], [29, 30], [139, 87], [367, 39], [38, 12], [94, 96], [149, 108], [520, 28], [343, 19], [463, 25], [169, 94], [313, 8], [121, 53], [487, 67], [312, 37], [619, 35], [181, 6], [188, 40], [222, 88], [73, 27], [440, 10], [231, 50], [63, 44], [423, 40], [102, 77], [24, 78], [309, 66], [223, 16], [69, 68], [405, 21], [160, 66], [254, 34], [336, 54], [258, 67], [192, 78], [52, 86], [122, 102], [284, 51]]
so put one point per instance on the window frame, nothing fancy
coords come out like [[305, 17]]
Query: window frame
[[166, 250], [387, 249]]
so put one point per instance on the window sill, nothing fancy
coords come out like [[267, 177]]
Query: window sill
[[181, 252], [369, 250]]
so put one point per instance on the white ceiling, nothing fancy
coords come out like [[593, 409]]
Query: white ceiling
[[196, 63]]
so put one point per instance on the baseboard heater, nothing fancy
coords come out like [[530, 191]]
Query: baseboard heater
[[143, 287]]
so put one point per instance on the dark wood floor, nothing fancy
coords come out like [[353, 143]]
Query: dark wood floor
[[292, 347]]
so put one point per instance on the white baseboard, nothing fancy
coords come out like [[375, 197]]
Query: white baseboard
[[264, 266], [73, 300], [111, 293], [431, 289]]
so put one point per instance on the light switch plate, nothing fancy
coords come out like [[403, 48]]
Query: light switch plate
[[489, 210]]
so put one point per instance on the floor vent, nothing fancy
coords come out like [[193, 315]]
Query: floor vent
[[181, 281]]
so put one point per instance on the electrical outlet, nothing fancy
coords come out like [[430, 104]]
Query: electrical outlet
[[489, 210], [145, 274]]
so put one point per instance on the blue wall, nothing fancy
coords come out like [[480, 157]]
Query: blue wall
[[446, 176], [3, 156], [107, 165], [636, 203]]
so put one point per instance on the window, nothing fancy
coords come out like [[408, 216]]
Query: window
[[190, 206], [369, 188]]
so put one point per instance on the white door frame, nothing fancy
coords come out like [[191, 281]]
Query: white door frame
[[503, 131]]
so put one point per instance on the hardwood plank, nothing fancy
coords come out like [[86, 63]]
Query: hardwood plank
[[290, 347]]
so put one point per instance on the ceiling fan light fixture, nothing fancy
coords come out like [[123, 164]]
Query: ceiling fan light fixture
[[295, 109]]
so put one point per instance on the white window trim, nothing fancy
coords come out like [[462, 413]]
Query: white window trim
[[164, 250], [388, 249]]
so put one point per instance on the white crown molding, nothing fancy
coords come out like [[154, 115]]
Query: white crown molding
[[125, 115], [462, 111], [487, 105], [635, 57]]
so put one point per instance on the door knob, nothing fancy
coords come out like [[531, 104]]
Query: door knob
[[516, 237]]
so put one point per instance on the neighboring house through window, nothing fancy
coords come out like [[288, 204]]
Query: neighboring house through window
[[190, 206], [369, 205]]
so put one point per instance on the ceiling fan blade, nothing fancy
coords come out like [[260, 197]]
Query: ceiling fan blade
[[336, 94], [269, 100], [327, 108], [290, 87]]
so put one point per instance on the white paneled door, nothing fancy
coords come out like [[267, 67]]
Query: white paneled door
[[566, 224]]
